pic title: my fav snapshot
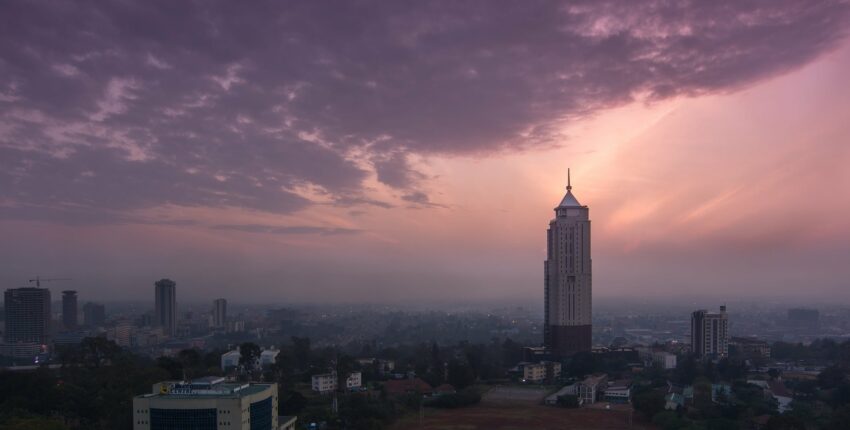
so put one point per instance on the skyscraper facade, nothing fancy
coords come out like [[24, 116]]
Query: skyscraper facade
[[219, 313], [69, 309], [27, 315], [710, 333], [166, 306], [567, 277]]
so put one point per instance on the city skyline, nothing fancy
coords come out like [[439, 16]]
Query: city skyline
[[396, 155]]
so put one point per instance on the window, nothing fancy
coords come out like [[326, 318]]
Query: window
[[261, 415], [183, 419]]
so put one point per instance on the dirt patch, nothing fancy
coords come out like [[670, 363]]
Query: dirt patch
[[503, 415]]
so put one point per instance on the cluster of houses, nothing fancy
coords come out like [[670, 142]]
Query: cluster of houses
[[683, 397]]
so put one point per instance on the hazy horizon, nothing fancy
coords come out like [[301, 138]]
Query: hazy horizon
[[413, 153]]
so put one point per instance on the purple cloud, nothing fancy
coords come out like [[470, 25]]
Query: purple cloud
[[110, 107]]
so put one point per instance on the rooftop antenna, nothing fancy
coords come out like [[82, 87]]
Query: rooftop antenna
[[569, 187]]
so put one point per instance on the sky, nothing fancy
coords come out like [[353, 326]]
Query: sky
[[412, 152]]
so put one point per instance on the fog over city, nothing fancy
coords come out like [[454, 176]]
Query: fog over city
[[411, 153]]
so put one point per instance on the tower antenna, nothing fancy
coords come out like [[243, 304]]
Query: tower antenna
[[569, 186]]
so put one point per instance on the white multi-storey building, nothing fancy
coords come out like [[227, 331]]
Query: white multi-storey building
[[326, 382], [230, 359], [537, 372], [567, 272], [710, 333], [268, 357], [664, 359]]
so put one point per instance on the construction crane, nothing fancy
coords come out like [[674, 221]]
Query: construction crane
[[38, 280]]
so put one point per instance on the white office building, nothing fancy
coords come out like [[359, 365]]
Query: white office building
[[207, 404]]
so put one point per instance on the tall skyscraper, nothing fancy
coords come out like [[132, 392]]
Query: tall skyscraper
[[219, 313], [166, 306], [567, 276], [94, 314], [710, 333], [69, 309], [27, 315]]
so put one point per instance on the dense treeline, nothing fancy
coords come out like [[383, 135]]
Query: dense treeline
[[93, 390], [94, 387]]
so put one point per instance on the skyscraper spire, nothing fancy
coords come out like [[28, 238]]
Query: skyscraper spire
[[569, 186]]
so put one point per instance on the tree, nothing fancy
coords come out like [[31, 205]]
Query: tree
[[98, 350], [582, 363], [774, 373], [686, 370], [301, 351], [249, 353], [648, 402], [34, 424], [784, 422], [460, 374], [669, 420], [344, 367], [170, 365], [840, 419], [191, 362], [831, 377]]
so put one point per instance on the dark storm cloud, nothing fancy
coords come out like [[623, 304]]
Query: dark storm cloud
[[107, 107]]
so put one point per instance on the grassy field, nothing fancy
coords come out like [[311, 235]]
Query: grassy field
[[517, 409]]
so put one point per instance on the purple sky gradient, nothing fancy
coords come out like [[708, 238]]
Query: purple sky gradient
[[396, 151]]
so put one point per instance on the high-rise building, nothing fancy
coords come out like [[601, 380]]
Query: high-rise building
[[94, 314], [219, 313], [27, 315], [207, 403], [710, 333], [166, 306], [567, 277], [69, 309]]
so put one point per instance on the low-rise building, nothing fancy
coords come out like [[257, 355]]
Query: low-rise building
[[569, 390], [287, 422], [327, 382], [230, 359], [664, 359], [207, 403], [268, 357], [750, 347], [539, 372], [384, 367], [618, 392], [589, 389]]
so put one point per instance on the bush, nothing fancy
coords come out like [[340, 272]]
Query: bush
[[568, 401], [456, 400]]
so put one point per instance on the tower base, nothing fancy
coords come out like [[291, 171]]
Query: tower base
[[566, 340]]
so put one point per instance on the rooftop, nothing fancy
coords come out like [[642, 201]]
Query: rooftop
[[208, 386]]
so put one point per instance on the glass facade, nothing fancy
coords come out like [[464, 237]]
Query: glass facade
[[187, 419], [261, 415]]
